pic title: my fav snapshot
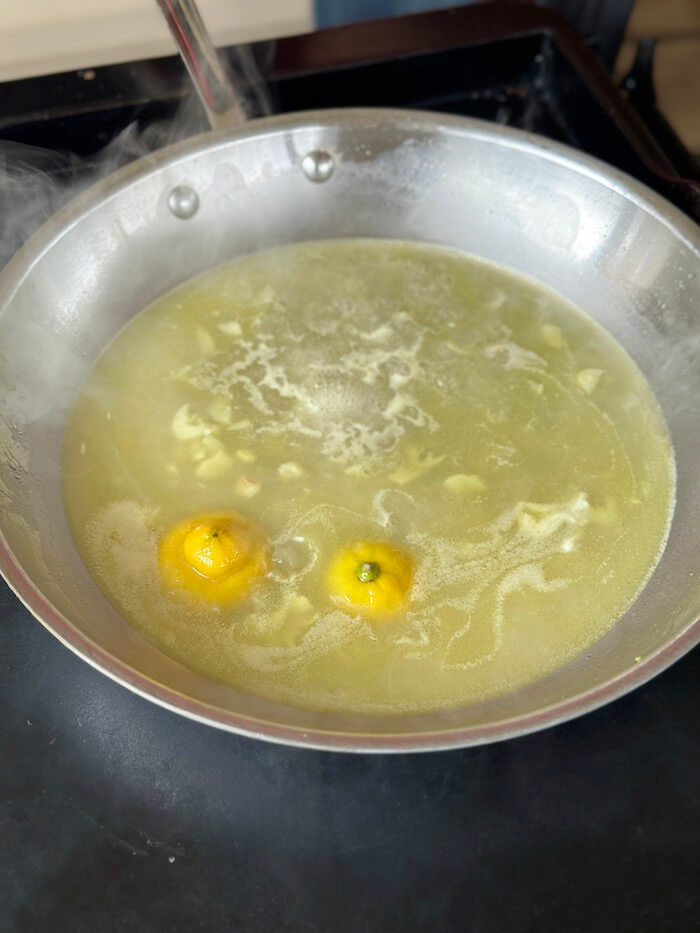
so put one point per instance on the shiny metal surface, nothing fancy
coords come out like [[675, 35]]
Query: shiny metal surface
[[603, 240], [183, 202], [223, 106], [318, 165]]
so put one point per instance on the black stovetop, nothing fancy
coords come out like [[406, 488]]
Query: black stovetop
[[116, 815], [119, 816]]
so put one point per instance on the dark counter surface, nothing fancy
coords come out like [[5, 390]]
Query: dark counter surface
[[117, 815]]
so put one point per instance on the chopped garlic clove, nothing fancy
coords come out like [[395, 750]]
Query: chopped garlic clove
[[397, 405], [290, 470], [588, 379], [293, 620], [247, 487], [512, 356], [299, 605], [541, 527], [205, 341], [417, 463], [538, 520], [463, 483], [205, 447], [187, 425], [214, 467], [551, 335], [245, 455], [231, 328]]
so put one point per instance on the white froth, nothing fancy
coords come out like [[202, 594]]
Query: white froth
[[327, 405]]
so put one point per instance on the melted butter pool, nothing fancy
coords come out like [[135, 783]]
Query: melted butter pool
[[378, 390]]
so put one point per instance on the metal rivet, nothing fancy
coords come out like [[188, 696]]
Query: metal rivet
[[183, 202], [318, 165]]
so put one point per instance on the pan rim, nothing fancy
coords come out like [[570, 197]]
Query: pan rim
[[89, 650]]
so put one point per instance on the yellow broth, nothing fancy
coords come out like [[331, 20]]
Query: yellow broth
[[384, 391]]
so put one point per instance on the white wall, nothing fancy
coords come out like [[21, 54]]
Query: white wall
[[45, 36]]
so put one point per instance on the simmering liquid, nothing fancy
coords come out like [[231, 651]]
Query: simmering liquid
[[382, 391]]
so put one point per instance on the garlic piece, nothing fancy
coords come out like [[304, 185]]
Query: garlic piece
[[293, 620], [538, 520], [214, 467], [397, 405], [290, 470], [512, 356], [209, 446], [245, 455], [232, 328], [417, 462], [186, 425], [588, 379], [247, 487], [297, 606], [357, 469], [205, 341], [551, 335], [462, 483]]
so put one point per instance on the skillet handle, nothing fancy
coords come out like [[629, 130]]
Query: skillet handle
[[223, 106]]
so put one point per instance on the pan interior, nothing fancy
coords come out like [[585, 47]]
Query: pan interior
[[599, 240], [451, 415]]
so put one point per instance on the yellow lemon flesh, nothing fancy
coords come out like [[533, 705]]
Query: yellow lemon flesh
[[370, 576], [216, 558]]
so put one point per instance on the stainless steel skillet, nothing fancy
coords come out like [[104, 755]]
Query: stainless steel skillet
[[619, 251]]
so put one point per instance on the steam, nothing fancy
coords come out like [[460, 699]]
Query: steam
[[35, 182], [248, 80]]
